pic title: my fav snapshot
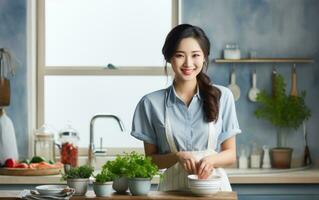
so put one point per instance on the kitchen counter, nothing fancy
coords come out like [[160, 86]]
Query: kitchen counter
[[236, 176], [152, 195]]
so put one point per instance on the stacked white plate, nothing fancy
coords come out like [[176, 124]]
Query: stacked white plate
[[203, 187], [51, 189]]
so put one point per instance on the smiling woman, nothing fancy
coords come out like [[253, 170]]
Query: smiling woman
[[197, 119]]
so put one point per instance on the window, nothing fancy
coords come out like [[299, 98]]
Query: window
[[100, 57]]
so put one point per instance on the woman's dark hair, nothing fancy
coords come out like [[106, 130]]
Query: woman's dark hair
[[208, 92]]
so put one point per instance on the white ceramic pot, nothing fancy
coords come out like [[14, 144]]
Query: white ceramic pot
[[103, 189], [139, 186], [120, 185], [79, 184]]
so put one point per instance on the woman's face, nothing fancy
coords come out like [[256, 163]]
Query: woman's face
[[188, 60]]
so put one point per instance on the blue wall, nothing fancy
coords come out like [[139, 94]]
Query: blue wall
[[274, 28], [13, 37]]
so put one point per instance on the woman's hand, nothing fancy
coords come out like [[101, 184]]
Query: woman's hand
[[205, 167], [188, 161]]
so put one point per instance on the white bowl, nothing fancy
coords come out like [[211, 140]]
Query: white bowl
[[203, 191], [194, 177], [204, 187], [211, 180], [209, 184], [50, 189]]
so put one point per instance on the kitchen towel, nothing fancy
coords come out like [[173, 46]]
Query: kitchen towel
[[8, 143]]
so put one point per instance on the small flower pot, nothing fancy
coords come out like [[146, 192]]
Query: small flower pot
[[120, 185], [139, 186], [102, 189], [79, 184], [281, 157]]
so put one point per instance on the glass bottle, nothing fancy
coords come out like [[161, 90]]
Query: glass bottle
[[69, 140], [44, 144]]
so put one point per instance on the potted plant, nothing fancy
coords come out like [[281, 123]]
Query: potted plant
[[140, 172], [119, 168], [78, 178], [285, 112], [102, 184]]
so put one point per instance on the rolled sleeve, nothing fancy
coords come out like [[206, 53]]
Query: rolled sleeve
[[142, 128], [230, 126]]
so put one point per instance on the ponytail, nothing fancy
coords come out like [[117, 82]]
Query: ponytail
[[210, 95]]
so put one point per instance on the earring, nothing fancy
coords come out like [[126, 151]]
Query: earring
[[204, 63]]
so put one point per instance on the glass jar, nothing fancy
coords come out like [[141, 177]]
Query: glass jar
[[69, 140], [232, 51], [44, 144]]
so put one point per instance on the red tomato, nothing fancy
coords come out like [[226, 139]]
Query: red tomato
[[10, 163], [21, 165]]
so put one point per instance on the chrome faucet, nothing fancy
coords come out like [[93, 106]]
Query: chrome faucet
[[91, 146]]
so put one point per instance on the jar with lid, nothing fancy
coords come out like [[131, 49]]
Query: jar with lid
[[232, 51], [69, 146], [44, 144]]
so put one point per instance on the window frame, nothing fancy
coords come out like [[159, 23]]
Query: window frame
[[42, 71]]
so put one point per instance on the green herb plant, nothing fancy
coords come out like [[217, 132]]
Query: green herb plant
[[117, 167], [141, 166], [83, 171], [104, 176], [283, 111]]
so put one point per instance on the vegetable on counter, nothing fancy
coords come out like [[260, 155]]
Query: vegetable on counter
[[37, 159], [10, 163], [37, 162], [21, 165]]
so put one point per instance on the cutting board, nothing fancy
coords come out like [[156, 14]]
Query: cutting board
[[29, 172]]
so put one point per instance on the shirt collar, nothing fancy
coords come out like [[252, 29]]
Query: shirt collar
[[172, 96]]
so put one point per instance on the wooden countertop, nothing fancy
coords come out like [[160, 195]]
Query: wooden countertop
[[10, 195], [236, 176]]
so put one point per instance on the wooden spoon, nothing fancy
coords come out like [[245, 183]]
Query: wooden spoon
[[293, 91]]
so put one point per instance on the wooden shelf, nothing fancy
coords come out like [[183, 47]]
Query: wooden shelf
[[265, 60]]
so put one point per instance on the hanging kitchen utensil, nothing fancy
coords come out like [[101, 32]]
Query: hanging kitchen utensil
[[252, 94], [7, 69], [8, 144], [273, 81], [307, 158], [293, 91], [5, 92], [233, 86]]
